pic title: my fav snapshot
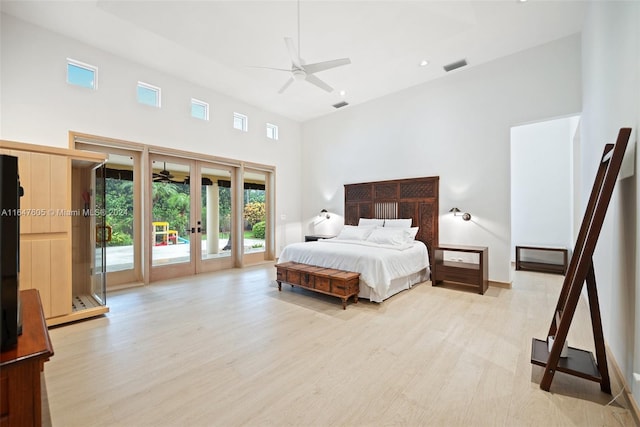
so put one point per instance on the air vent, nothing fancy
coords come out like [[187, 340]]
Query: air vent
[[454, 65], [340, 104]]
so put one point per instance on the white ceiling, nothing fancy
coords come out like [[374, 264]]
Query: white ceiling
[[215, 43]]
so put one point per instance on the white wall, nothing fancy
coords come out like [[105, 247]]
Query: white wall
[[611, 93], [39, 107], [541, 184], [457, 127]]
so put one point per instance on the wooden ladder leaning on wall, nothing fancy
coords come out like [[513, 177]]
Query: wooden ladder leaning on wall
[[581, 363]]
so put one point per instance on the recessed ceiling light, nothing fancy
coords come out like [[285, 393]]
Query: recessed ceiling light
[[424, 63], [343, 92]]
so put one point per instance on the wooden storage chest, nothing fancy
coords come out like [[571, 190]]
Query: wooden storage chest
[[329, 281]]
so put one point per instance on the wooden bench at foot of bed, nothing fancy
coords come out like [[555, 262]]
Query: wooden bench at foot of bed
[[329, 281]]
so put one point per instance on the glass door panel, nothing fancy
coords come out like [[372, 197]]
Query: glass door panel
[[89, 235], [171, 212], [123, 205], [215, 212], [119, 203], [103, 234], [254, 215]]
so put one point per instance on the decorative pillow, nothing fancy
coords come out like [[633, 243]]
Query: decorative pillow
[[389, 236], [399, 223], [351, 232], [370, 222]]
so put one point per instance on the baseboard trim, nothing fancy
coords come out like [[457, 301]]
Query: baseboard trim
[[504, 285], [626, 394], [123, 286]]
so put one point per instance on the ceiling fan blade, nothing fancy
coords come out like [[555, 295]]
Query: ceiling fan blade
[[286, 85], [293, 53], [271, 68], [316, 81], [326, 65]]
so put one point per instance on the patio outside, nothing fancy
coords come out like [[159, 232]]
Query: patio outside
[[171, 205], [121, 257]]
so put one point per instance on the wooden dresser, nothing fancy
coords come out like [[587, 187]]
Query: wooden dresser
[[21, 367]]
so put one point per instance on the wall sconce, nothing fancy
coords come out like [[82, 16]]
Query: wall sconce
[[465, 216], [325, 213]]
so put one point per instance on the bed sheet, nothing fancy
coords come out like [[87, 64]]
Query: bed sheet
[[378, 265]]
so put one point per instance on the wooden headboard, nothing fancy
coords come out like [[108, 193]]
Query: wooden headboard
[[415, 198]]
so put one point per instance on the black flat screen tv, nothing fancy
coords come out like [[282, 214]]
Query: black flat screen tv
[[10, 192]]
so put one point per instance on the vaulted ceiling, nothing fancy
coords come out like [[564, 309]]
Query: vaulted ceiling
[[215, 44]]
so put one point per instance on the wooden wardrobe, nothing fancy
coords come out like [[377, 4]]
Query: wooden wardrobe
[[51, 230]]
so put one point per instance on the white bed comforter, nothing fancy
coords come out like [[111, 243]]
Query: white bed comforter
[[377, 264]]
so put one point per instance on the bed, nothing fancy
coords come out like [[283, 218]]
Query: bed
[[391, 228]]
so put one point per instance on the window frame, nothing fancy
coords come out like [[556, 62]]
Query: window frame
[[274, 131], [245, 121], [205, 105], [150, 87], [79, 64]]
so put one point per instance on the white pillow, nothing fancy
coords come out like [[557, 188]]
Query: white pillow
[[370, 222], [399, 223], [350, 232], [389, 236], [413, 232]]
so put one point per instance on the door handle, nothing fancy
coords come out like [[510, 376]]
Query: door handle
[[103, 233]]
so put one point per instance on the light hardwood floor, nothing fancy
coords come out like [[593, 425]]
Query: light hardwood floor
[[228, 349]]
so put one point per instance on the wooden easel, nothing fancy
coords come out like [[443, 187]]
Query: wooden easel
[[578, 362]]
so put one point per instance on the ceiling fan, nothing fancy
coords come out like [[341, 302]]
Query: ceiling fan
[[301, 71], [163, 176]]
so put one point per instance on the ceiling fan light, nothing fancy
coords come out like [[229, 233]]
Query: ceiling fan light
[[299, 75]]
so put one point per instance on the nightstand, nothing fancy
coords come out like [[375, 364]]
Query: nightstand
[[473, 273], [316, 237]]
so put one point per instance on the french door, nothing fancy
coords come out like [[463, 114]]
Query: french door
[[257, 241], [216, 216], [191, 216], [172, 213]]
